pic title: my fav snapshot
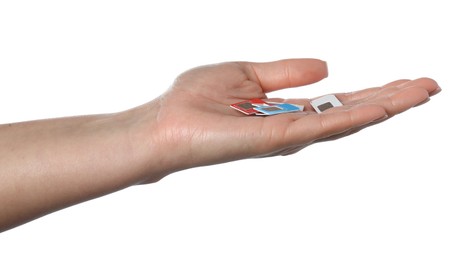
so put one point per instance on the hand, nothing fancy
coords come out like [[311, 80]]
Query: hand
[[195, 125]]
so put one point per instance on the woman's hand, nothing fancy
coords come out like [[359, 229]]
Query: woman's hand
[[195, 125]]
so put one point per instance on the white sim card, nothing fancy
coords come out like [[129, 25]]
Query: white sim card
[[323, 103]]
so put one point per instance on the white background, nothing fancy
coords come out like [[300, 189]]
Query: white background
[[403, 189]]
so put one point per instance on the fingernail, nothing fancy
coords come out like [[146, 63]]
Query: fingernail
[[325, 67], [436, 91], [423, 102], [381, 119]]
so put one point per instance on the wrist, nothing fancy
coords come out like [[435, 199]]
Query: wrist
[[152, 156]]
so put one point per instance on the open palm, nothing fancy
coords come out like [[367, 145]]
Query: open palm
[[198, 127]]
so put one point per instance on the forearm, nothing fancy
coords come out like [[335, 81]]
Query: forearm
[[47, 165]]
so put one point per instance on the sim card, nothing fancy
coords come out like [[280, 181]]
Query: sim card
[[323, 103], [278, 103], [275, 109], [259, 107], [248, 107]]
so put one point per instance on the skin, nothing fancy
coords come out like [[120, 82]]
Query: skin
[[47, 165]]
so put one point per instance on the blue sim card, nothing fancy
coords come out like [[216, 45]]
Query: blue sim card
[[275, 109]]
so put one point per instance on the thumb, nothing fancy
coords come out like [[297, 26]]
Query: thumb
[[287, 73]]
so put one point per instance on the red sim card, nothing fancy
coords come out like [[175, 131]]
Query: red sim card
[[247, 107]]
